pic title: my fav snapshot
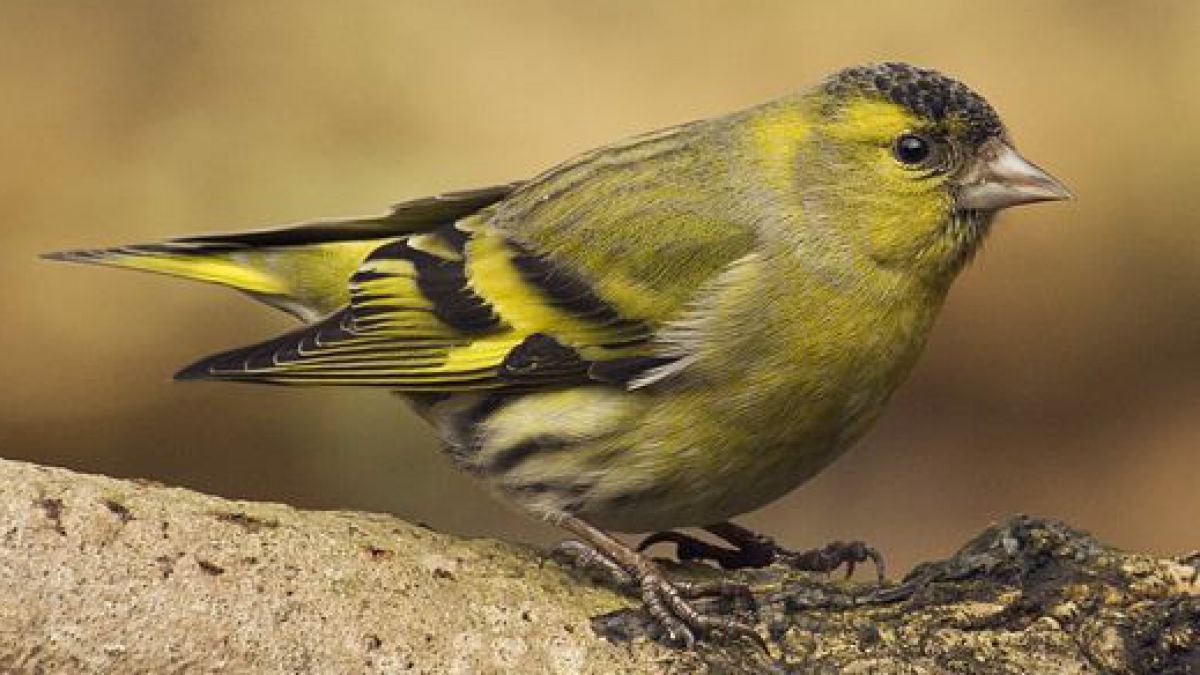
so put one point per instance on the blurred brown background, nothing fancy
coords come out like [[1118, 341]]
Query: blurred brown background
[[1062, 379]]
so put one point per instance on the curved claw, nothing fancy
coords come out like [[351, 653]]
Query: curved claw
[[658, 605], [834, 555], [877, 559], [735, 629], [721, 588]]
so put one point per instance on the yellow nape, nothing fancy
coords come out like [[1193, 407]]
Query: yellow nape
[[775, 133]]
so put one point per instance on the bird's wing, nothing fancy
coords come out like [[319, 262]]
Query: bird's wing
[[649, 221], [568, 278], [462, 307]]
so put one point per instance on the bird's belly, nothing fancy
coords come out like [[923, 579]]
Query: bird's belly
[[737, 456], [696, 499], [632, 462], [747, 471]]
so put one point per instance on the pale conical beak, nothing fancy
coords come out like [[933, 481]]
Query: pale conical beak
[[1001, 178]]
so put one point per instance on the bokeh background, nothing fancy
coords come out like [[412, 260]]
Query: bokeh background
[[1061, 380]]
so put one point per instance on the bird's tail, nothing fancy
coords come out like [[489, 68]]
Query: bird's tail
[[308, 281], [302, 269]]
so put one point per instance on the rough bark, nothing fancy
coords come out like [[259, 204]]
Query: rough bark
[[104, 575]]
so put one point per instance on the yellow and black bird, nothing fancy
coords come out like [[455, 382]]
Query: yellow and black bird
[[664, 332]]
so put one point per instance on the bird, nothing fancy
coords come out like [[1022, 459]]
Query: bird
[[665, 332]]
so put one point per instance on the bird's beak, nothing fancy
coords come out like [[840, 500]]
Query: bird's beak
[[1000, 178]]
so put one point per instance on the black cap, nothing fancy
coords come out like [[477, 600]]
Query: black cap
[[927, 93]]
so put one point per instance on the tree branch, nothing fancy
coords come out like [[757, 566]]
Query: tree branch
[[98, 574]]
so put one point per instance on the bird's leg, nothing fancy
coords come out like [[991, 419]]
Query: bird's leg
[[689, 548], [665, 601], [757, 550]]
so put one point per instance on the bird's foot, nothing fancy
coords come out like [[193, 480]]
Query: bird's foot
[[587, 559], [670, 604], [667, 603], [833, 555], [753, 550]]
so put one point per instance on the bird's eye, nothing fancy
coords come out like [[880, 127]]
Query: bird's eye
[[912, 149]]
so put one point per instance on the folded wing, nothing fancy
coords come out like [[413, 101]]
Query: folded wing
[[463, 307]]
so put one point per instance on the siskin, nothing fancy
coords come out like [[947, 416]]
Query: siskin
[[665, 332]]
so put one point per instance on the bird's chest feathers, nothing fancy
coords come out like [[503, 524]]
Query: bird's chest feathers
[[820, 360]]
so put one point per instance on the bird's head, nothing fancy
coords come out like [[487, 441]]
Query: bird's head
[[903, 164]]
